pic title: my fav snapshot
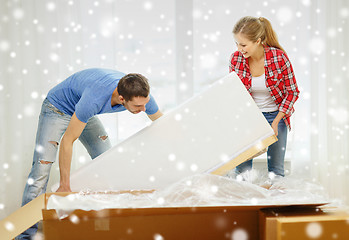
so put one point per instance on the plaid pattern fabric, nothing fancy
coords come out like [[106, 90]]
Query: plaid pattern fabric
[[280, 79]]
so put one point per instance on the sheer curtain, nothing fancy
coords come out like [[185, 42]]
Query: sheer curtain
[[181, 46], [315, 36], [320, 147], [330, 101], [43, 42]]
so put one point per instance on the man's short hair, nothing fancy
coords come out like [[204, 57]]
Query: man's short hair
[[133, 85]]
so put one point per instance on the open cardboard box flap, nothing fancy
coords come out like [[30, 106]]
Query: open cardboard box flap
[[24, 217]]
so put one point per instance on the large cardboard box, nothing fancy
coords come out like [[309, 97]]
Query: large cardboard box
[[170, 223], [154, 223], [304, 224], [216, 222]]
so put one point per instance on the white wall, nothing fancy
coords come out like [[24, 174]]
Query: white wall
[[181, 46]]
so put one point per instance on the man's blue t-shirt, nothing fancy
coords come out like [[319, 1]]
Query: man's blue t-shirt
[[89, 92]]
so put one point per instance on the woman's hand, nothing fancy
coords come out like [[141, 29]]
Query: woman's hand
[[274, 126], [275, 123]]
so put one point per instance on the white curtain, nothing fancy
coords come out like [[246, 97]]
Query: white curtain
[[315, 36], [181, 51], [330, 101], [43, 42]]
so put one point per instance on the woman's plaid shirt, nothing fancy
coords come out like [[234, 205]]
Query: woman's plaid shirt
[[280, 79]]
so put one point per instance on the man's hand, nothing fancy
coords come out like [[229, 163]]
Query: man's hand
[[63, 189]]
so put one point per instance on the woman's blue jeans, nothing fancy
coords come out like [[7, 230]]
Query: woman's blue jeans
[[276, 151], [51, 127]]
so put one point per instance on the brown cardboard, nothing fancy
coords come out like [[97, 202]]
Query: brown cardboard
[[22, 219], [218, 222], [248, 154], [146, 223], [303, 223]]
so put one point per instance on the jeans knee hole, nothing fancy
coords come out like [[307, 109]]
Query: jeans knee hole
[[54, 143], [44, 162], [103, 137]]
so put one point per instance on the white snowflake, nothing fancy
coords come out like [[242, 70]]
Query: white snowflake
[[74, 219], [306, 2], [4, 45], [180, 166], [208, 61], [339, 115], [344, 12], [160, 200], [82, 159], [30, 181], [151, 178], [158, 236], [178, 117], [285, 15], [197, 14], [214, 189], [317, 45], [18, 13], [194, 167], [314, 230], [54, 57], [5, 165], [171, 157], [39, 148], [148, 5], [183, 86], [224, 157], [50, 6], [29, 110], [239, 234]]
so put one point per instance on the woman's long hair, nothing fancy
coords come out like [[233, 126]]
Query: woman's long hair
[[253, 28]]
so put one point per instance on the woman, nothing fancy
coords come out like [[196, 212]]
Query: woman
[[265, 70]]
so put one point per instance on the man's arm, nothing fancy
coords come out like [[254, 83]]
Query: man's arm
[[73, 131], [155, 116]]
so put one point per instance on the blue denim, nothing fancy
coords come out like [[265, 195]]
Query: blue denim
[[51, 127], [276, 151]]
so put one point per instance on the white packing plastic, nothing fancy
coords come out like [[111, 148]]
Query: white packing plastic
[[200, 190]]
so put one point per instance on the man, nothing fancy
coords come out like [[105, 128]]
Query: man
[[70, 111]]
